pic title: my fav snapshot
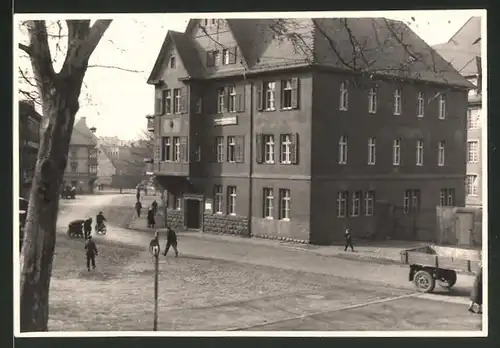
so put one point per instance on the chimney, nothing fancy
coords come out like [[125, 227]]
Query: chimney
[[93, 129]]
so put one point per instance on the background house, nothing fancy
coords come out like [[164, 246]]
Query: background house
[[81, 169], [463, 51]]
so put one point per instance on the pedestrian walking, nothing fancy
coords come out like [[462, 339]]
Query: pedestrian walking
[[151, 218], [476, 295], [171, 242], [91, 251], [138, 207], [348, 240], [87, 227], [138, 194], [154, 205]]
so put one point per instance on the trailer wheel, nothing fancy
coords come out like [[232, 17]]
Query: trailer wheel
[[424, 281], [449, 279]]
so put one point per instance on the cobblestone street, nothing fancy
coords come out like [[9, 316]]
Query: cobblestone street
[[223, 284]]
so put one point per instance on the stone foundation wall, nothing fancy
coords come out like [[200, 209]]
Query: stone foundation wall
[[226, 224], [175, 218]]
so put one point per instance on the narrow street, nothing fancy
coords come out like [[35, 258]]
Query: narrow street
[[235, 285]]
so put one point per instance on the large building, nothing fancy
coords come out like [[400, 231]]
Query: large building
[[463, 51], [81, 168], [29, 144], [264, 136]]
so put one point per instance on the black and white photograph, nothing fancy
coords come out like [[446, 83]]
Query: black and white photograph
[[250, 174]]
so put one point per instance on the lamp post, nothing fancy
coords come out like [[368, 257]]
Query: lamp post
[[154, 249]]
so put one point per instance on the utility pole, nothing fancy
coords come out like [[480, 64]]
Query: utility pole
[[154, 249]]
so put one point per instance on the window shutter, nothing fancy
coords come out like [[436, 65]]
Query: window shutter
[[232, 55], [183, 101], [260, 96], [183, 149], [295, 93], [294, 148], [240, 149], [210, 59], [158, 105], [259, 148], [213, 151], [157, 151], [226, 99]]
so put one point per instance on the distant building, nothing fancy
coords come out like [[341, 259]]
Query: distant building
[[81, 169], [463, 51], [259, 138], [29, 143]]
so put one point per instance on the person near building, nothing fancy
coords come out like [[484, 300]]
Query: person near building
[[151, 218], [138, 207], [348, 240], [171, 241], [154, 205], [476, 295], [87, 227]]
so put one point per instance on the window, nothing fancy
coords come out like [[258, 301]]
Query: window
[[219, 149], [473, 151], [216, 58], [166, 149], [285, 204], [411, 200], [177, 101], [356, 201], [420, 152], [471, 185], [447, 197], [473, 91], [269, 148], [218, 199], [442, 106], [372, 150], [344, 96], [372, 100], [396, 152], [172, 62], [93, 168], [93, 154], [441, 153], [231, 201], [74, 166], [231, 149], [369, 203], [268, 202], [168, 101], [286, 151], [177, 149], [270, 99], [199, 105], [397, 102], [232, 99], [343, 149], [205, 22], [220, 100], [286, 94], [73, 154], [211, 58], [420, 104], [225, 56], [177, 202], [214, 21], [342, 203], [473, 118]]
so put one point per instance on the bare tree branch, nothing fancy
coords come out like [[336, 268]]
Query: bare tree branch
[[25, 78], [114, 67], [25, 48]]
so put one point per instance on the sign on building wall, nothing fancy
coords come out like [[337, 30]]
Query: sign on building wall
[[226, 121]]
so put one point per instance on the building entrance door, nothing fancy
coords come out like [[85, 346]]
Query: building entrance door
[[193, 214]]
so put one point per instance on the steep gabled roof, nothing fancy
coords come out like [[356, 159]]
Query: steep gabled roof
[[464, 48], [385, 45], [130, 159], [82, 135], [187, 52]]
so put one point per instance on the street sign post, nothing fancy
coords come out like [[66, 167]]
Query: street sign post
[[154, 249]]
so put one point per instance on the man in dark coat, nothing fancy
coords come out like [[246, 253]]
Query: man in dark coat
[[138, 207], [171, 241], [348, 240], [87, 227], [476, 295], [154, 205], [91, 251], [151, 218]]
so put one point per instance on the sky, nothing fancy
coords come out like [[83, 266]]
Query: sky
[[116, 101]]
